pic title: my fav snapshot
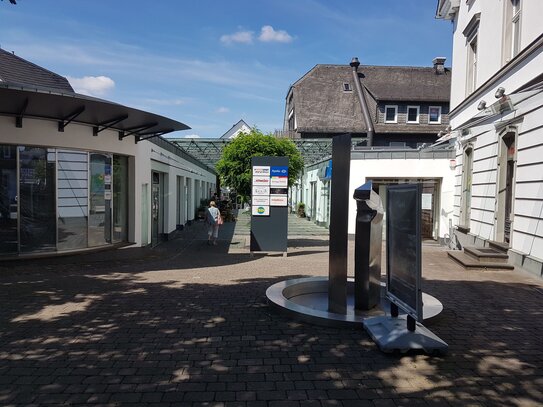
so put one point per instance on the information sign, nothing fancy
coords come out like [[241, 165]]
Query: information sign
[[278, 200], [403, 222], [260, 200], [261, 210], [261, 191]]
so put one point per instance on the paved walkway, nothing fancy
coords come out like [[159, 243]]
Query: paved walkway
[[186, 324]]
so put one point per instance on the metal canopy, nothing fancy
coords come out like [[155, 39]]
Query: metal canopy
[[209, 150], [21, 102]]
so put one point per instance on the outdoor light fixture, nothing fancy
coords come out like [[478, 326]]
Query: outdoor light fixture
[[482, 104], [452, 164], [499, 93]]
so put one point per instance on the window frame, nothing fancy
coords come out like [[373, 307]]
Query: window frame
[[347, 88], [395, 107], [417, 121], [439, 116]]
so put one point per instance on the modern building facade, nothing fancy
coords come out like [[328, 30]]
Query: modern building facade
[[389, 105], [497, 124], [79, 173]]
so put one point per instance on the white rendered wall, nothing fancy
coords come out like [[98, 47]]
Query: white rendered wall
[[142, 158], [362, 170], [490, 40]]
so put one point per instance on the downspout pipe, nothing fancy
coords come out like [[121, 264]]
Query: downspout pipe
[[365, 111]]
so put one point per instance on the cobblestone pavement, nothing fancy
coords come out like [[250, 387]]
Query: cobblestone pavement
[[187, 324]]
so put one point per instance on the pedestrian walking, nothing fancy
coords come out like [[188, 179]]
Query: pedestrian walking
[[214, 220]]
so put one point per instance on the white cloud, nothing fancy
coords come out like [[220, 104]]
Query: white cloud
[[192, 136], [242, 37], [223, 109], [268, 34], [92, 85], [165, 102]]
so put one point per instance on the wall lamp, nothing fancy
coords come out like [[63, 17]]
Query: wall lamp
[[499, 92], [482, 105]]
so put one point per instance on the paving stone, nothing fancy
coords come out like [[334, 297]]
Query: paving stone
[[185, 324]]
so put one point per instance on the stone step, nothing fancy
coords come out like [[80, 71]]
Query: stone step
[[470, 262], [500, 246], [487, 254]]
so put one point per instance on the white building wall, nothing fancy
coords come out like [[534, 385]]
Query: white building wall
[[363, 170], [526, 240], [490, 37], [143, 157]]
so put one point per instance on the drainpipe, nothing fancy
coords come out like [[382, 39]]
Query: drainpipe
[[365, 111]]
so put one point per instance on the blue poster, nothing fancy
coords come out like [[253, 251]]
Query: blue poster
[[279, 171]]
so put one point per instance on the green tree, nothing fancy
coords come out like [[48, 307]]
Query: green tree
[[234, 167]]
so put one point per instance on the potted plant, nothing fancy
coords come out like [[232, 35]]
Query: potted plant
[[301, 210]]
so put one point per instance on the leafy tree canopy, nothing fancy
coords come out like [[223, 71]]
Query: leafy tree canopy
[[234, 167]]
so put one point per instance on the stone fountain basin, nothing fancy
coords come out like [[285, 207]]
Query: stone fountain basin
[[306, 299]]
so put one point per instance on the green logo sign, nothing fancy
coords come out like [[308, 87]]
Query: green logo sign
[[260, 210]]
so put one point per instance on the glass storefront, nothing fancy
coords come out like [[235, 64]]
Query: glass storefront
[[56, 199], [8, 200], [37, 220]]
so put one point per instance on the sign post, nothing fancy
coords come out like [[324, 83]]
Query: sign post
[[269, 204]]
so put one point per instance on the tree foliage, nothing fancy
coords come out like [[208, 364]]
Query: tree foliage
[[234, 167]]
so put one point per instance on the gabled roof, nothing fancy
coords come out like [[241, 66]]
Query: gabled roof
[[18, 71], [236, 129], [322, 105]]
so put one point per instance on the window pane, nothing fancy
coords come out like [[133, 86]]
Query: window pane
[[412, 114], [120, 198], [434, 114], [72, 199], [37, 199], [390, 114], [100, 200], [8, 199]]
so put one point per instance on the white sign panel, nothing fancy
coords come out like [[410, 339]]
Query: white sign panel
[[261, 190], [261, 170], [278, 200], [261, 210], [426, 201], [279, 181], [261, 180], [261, 200]]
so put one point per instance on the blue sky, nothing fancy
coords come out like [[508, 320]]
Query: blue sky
[[210, 63]]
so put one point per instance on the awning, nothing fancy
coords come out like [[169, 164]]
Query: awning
[[22, 102]]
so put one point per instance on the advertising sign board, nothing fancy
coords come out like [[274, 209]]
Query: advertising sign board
[[403, 223], [261, 210]]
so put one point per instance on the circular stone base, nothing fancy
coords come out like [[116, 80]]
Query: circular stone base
[[306, 299]]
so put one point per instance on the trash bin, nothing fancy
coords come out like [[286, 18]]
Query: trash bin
[[368, 242]]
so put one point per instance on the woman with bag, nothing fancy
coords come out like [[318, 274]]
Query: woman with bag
[[213, 219]]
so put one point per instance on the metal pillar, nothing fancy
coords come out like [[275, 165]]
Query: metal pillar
[[339, 222]]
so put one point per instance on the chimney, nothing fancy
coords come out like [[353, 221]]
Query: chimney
[[363, 105], [439, 65], [355, 63]]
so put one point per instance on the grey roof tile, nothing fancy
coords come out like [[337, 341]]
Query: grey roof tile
[[15, 70]]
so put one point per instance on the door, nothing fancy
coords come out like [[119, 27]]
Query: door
[[506, 184], [155, 208], [37, 199], [8, 200], [100, 196]]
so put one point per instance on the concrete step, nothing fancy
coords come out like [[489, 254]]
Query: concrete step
[[486, 254], [500, 246], [470, 262]]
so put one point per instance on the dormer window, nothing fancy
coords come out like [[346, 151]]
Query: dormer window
[[391, 114], [347, 87], [413, 114], [434, 115]]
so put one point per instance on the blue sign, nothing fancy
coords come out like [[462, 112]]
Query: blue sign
[[279, 172]]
